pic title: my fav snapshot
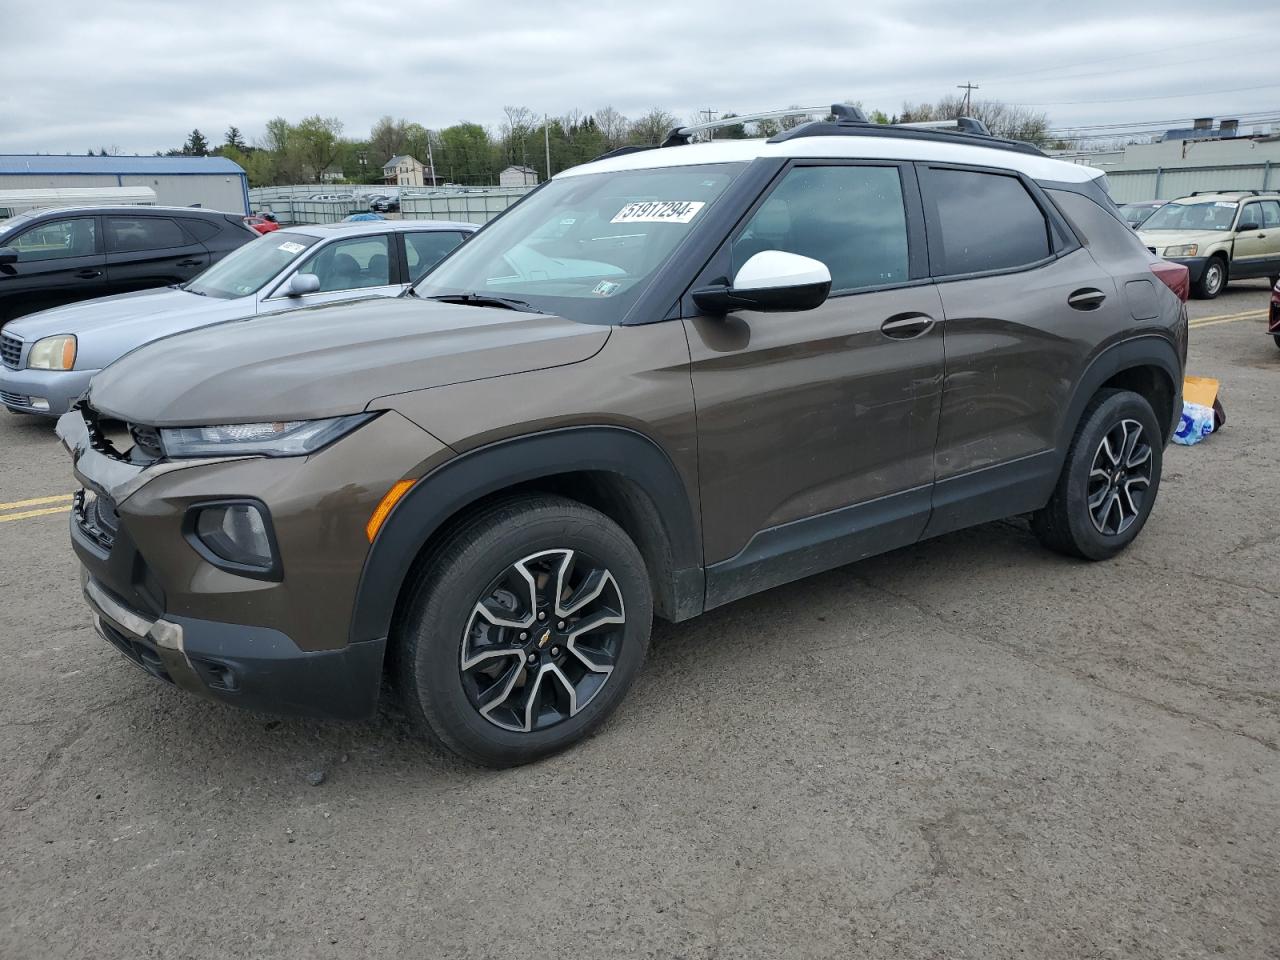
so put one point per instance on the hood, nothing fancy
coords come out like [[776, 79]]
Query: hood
[[330, 360], [109, 326], [1177, 238]]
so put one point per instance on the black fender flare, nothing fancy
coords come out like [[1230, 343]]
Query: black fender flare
[[459, 482], [1149, 350]]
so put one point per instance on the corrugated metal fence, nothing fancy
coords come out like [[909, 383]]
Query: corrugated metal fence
[[1169, 183], [474, 205]]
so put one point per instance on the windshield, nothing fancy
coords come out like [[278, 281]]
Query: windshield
[[584, 247], [1135, 213], [1208, 215], [244, 270]]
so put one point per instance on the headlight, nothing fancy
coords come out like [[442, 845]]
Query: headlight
[[1186, 250], [53, 353], [291, 438]]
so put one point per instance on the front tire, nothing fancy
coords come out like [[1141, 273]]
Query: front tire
[[1109, 481], [1213, 281], [528, 626]]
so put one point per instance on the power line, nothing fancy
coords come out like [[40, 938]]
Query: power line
[[1127, 56], [1175, 96]]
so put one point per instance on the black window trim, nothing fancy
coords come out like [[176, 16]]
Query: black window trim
[[718, 266], [1061, 236]]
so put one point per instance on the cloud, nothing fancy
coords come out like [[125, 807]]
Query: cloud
[[140, 75]]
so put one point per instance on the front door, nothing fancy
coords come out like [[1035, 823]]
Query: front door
[[816, 428], [59, 261], [354, 266], [1257, 251]]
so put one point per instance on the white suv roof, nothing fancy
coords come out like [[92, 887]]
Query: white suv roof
[[940, 148]]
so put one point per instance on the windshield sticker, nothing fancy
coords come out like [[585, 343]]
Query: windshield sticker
[[605, 288], [1225, 203], [290, 247], [659, 211]]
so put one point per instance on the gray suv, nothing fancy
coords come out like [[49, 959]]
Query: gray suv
[[665, 380]]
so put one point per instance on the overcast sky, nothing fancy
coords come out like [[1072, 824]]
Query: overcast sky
[[139, 75]]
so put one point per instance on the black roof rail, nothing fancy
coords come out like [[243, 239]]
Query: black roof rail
[[1248, 193], [623, 151], [846, 119]]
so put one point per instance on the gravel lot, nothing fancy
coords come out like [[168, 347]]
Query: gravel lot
[[968, 748]]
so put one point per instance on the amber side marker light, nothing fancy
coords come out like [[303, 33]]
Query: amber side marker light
[[384, 507]]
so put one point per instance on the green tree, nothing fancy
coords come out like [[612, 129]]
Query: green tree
[[196, 145], [467, 155], [317, 140], [235, 140]]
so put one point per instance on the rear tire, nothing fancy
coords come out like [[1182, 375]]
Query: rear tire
[[1276, 337], [497, 658], [1213, 281], [1109, 480]]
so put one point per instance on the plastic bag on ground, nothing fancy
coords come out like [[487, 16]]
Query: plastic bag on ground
[[1195, 425]]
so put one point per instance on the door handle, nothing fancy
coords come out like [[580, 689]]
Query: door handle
[[88, 274], [906, 326], [1086, 299], [190, 263]]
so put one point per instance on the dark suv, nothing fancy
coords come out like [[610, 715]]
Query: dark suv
[[52, 257], [665, 380]]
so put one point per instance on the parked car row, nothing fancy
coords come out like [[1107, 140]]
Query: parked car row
[[665, 380], [48, 359]]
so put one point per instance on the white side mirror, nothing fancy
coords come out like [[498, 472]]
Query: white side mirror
[[772, 280], [300, 284]]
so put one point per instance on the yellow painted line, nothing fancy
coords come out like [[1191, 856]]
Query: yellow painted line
[[27, 514], [38, 501], [1227, 318]]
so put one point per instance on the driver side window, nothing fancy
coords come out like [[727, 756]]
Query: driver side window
[[351, 264], [58, 240], [852, 218]]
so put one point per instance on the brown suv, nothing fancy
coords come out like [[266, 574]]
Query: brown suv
[[665, 380]]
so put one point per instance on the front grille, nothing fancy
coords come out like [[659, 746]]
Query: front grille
[[14, 399], [10, 351], [147, 441]]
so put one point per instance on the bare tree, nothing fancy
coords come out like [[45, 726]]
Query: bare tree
[[653, 127], [613, 125], [1002, 119], [387, 139]]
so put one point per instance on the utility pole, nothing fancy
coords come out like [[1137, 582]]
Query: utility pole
[[546, 139], [708, 114], [968, 89], [431, 161]]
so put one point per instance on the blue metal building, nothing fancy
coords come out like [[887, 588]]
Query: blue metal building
[[215, 183]]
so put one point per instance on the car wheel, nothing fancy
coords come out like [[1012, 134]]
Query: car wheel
[[1109, 481], [1276, 337], [530, 622], [1214, 279]]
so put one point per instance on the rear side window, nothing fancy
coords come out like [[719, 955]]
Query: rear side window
[[423, 250], [987, 222], [1270, 214], [200, 229], [142, 233], [852, 218]]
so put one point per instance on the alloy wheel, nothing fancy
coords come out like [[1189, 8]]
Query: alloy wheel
[[1120, 478], [542, 640]]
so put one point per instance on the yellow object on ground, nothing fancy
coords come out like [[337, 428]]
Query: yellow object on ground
[[1201, 390]]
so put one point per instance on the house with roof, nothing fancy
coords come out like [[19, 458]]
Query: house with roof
[[403, 170]]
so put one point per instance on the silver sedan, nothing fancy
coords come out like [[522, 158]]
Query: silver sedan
[[48, 358]]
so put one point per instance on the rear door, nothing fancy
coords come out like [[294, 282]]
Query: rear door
[[146, 251], [1022, 301], [59, 261], [816, 428], [1257, 251], [360, 266]]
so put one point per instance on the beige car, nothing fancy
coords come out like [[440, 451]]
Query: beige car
[[1219, 237]]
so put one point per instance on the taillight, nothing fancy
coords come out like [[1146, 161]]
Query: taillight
[[1175, 276]]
